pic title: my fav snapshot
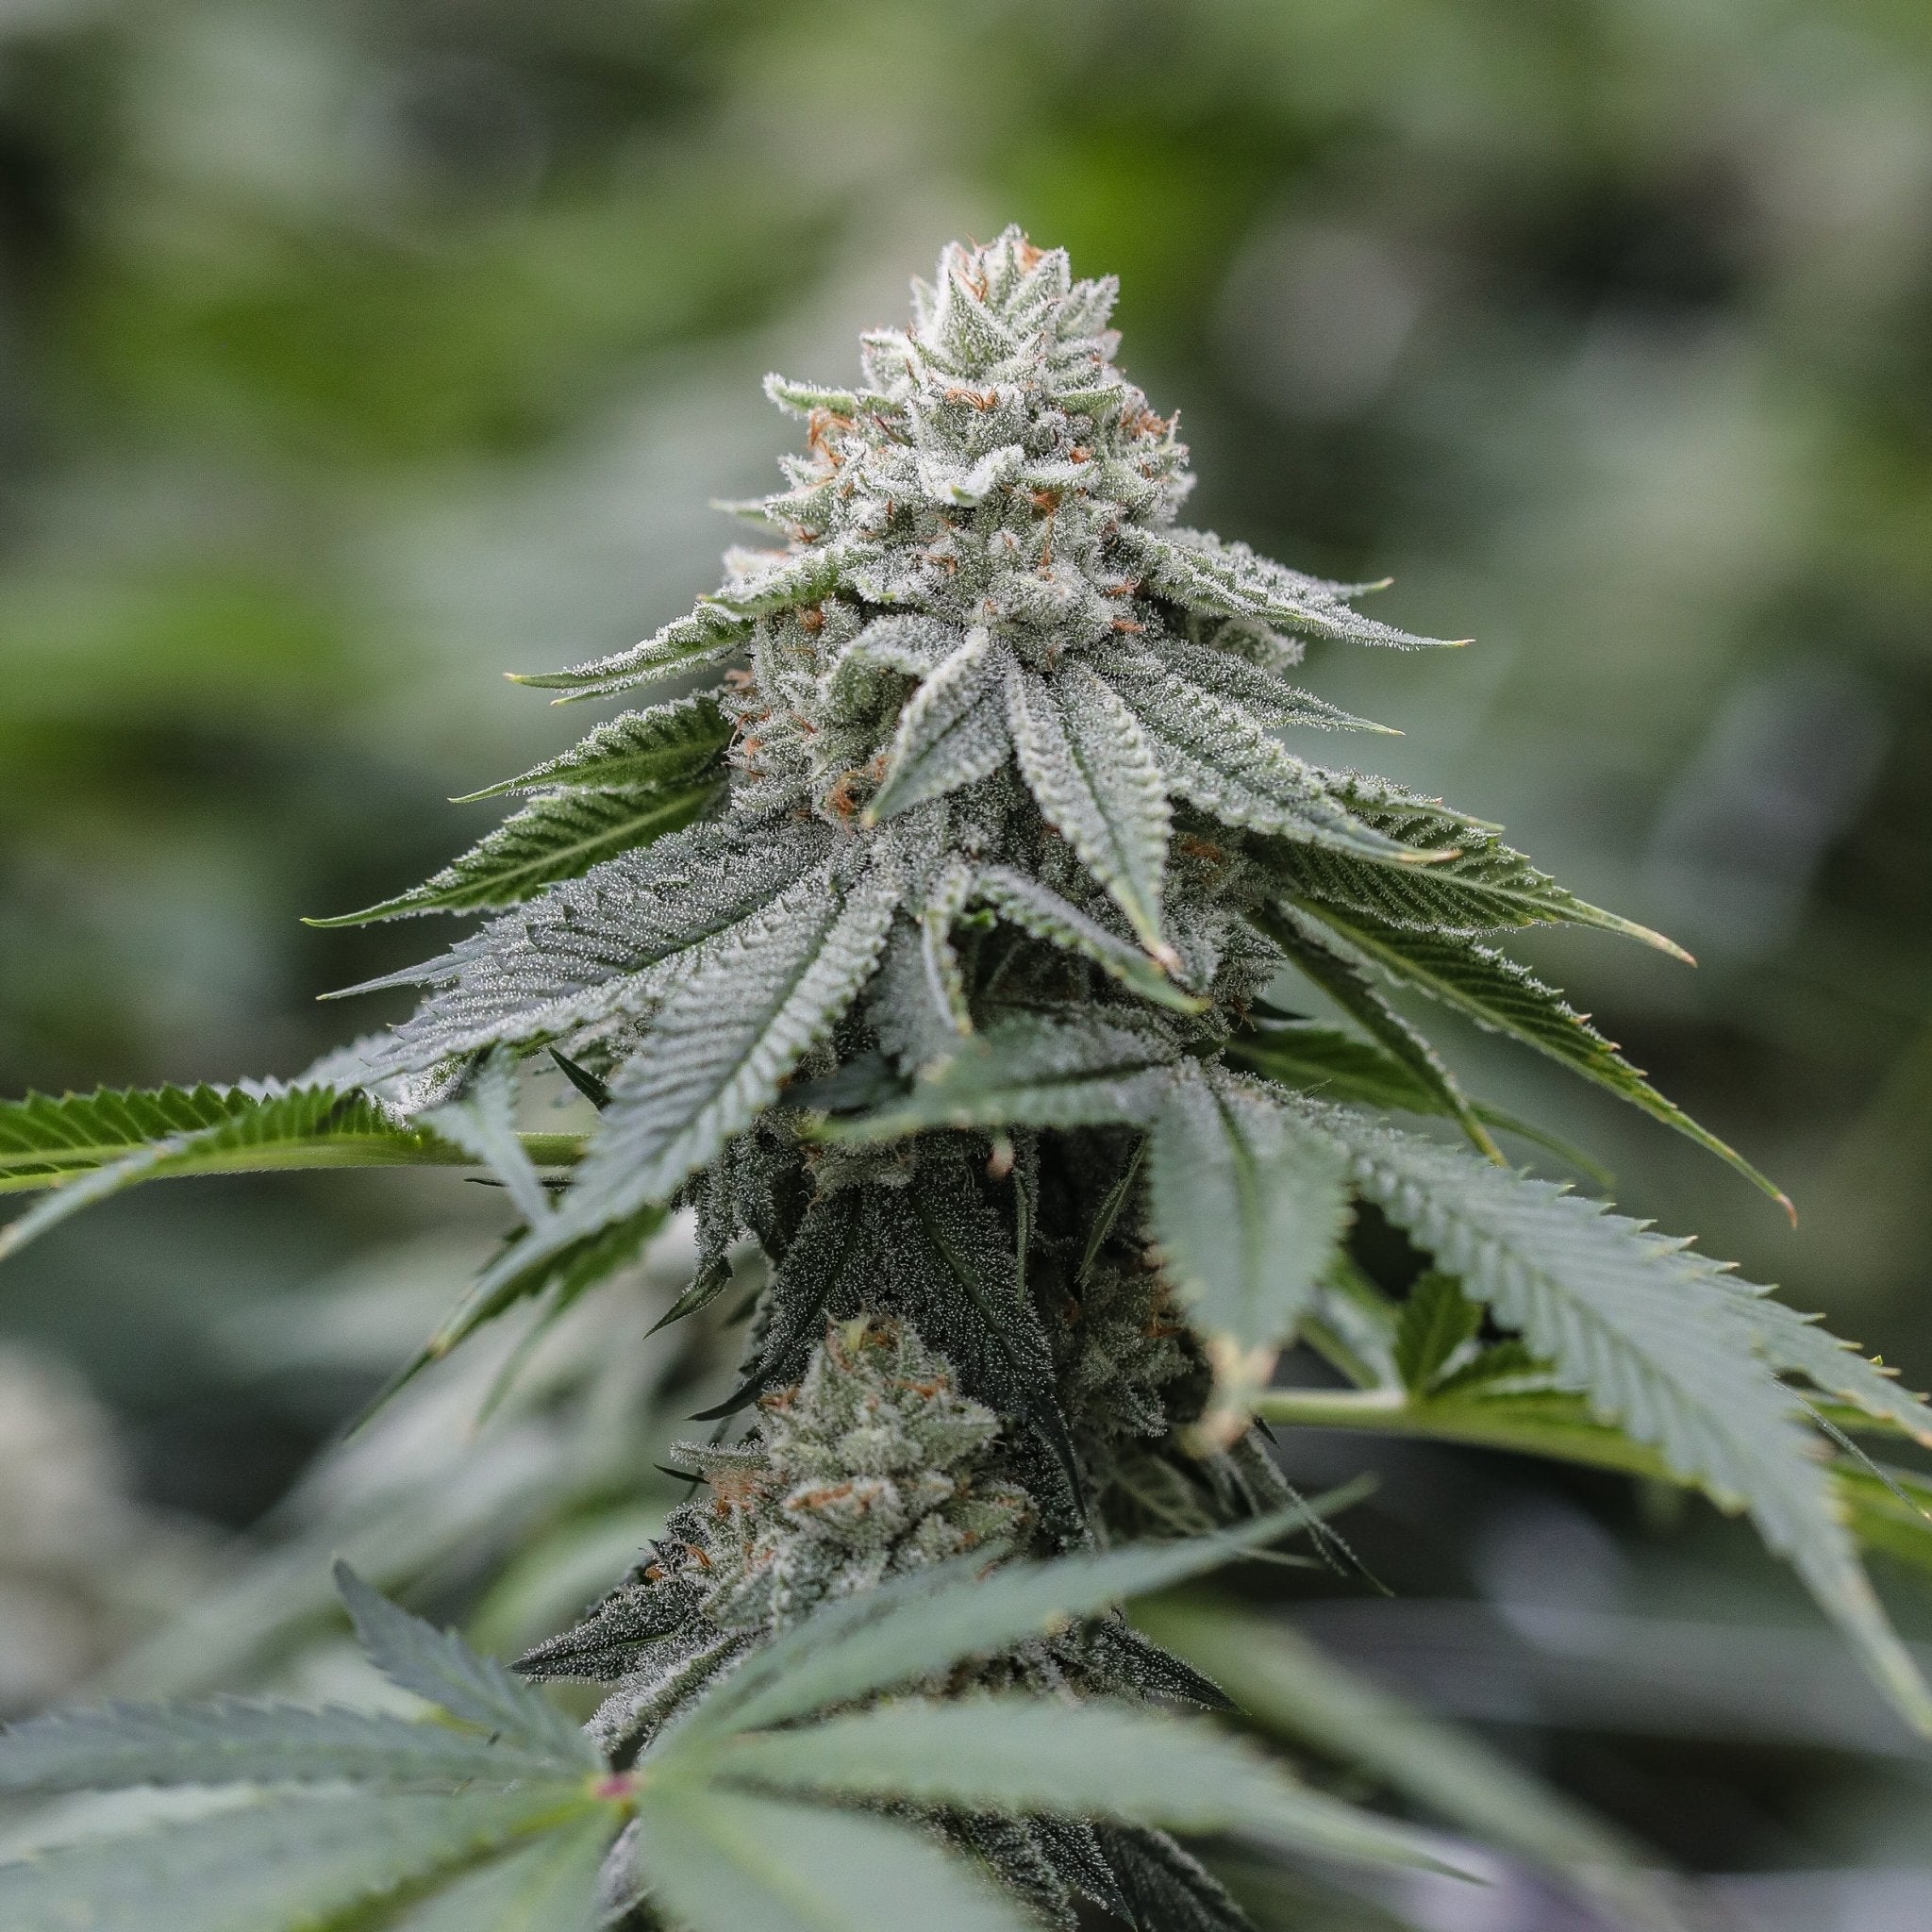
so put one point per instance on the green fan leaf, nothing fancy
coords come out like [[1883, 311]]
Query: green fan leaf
[[1485, 887], [438, 1665], [783, 580], [1216, 756], [721, 1044], [709, 633], [561, 835], [1201, 573], [234, 1741], [1030, 1070], [1301, 1693], [642, 751], [1796, 1344], [903, 1630], [611, 944], [1438, 1321], [278, 1866], [951, 731], [1503, 997], [725, 1861], [1037, 909], [547, 1885], [1434, 1088], [1089, 765], [85, 1147], [1247, 1207], [1335, 1065], [1648, 1332], [1259, 694], [1016, 1754]]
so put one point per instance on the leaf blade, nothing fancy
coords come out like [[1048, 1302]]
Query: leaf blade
[[1014, 1756], [728, 1862], [902, 1631], [271, 1867], [1089, 765], [1636, 1323], [559, 836], [1503, 997], [1247, 1208], [438, 1665], [241, 1740], [639, 751]]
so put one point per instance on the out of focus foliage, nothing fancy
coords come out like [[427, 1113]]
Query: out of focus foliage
[[350, 352]]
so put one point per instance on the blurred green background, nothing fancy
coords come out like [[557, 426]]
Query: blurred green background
[[352, 354]]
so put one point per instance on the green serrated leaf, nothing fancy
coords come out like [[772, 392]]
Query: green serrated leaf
[[1090, 767], [1247, 1207], [561, 835], [641, 751], [705, 635], [1212, 753], [278, 1866], [1335, 1065], [276, 1130], [1797, 1344], [1433, 1088], [1017, 1755], [1037, 909], [438, 1665], [1503, 997], [1648, 1332], [1199, 572], [237, 1740], [1486, 886], [907, 1628], [728, 1862], [1436, 1320], [721, 1044], [951, 731], [1029, 1071]]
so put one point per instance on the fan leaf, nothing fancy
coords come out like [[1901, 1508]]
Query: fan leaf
[[1094, 775], [278, 1866], [1648, 1332], [725, 1861], [1247, 1207], [1216, 756], [562, 836], [641, 751], [1503, 997], [1037, 909], [438, 1665], [236, 1740], [1017, 1755], [951, 731], [1199, 572], [1030, 1070], [721, 1044], [706, 634]]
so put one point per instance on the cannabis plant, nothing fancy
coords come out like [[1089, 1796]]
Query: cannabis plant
[[937, 952]]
